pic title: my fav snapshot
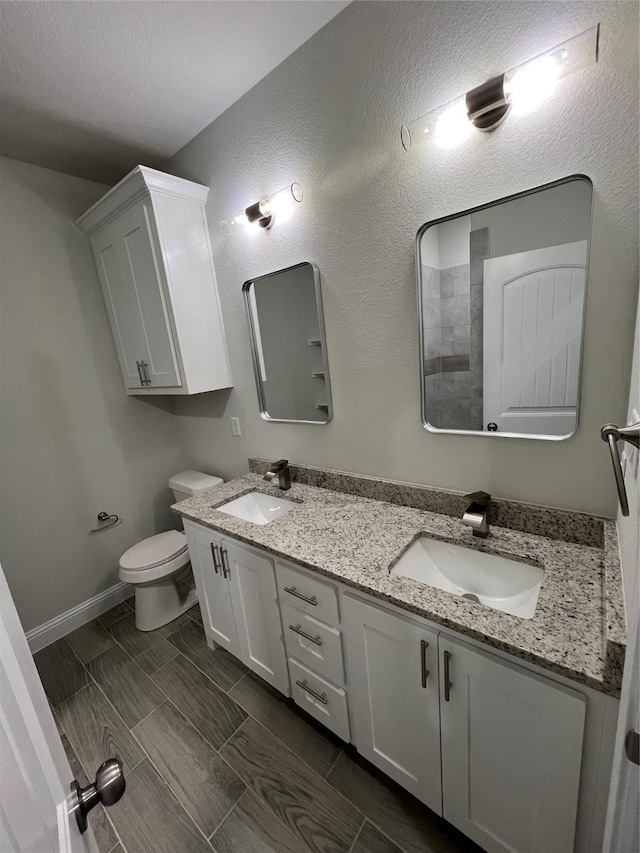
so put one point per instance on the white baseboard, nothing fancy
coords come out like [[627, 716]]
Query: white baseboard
[[79, 615]]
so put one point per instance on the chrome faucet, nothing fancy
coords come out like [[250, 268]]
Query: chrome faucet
[[281, 470], [476, 515]]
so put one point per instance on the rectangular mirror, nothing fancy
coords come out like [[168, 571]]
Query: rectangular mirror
[[501, 295], [288, 345]]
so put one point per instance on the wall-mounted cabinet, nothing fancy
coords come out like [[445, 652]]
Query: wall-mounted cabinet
[[151, 245]]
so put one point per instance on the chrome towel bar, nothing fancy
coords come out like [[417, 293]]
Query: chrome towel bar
[[612, 435]]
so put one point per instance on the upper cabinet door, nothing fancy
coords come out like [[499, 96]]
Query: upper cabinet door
[[129, 266], [257, 616], [511, 753], [393, 696]]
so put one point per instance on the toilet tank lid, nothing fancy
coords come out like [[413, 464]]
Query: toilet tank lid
[[193, 482]]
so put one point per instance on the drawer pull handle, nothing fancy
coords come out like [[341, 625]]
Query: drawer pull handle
[[447, 683], [321, 698], [423, 659], [293, 591], [297, 630]]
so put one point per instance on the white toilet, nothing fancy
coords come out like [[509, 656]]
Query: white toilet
[[159, 566]]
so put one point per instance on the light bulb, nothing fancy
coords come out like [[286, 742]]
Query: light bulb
[[529, 86], [240, 218], [281, 204], [453, 126]]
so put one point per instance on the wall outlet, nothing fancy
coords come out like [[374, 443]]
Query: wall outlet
[[235, 426]]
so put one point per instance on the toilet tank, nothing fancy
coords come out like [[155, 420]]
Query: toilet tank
[[189, 483]]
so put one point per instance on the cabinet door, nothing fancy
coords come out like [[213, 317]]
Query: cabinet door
[[511, 753], [128, 263], [392, 682], [212, 586], [255, 607]]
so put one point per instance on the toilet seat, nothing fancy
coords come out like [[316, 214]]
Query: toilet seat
[[154, 557]]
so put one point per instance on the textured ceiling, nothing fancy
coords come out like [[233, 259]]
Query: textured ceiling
[[93, 88]]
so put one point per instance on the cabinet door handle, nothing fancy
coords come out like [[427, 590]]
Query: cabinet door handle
[[145, 371], [447, 683], [320, 697], [214, 550], [293, 591], [226, 571], [140, 376], [423, 661], [297, 630]]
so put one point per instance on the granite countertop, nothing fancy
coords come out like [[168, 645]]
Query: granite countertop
[[578, 629]]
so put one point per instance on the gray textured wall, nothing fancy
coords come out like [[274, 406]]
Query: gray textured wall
[[72, 443], [329, 117]]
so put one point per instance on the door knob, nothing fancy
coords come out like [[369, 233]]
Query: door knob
[[107, 789]]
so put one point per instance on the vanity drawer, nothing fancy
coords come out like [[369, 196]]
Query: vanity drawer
[[321, 648], [328, 704], [308, 594]]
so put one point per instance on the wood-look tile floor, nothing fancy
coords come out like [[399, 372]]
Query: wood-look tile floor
[[215, 759]]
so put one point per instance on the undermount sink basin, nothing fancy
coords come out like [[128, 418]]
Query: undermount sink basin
[[257, 507], [491, 580]]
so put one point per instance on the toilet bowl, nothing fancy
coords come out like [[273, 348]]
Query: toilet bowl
[[159, 566]]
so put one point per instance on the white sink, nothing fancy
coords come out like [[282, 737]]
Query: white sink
[[494, 581], [257, 507]]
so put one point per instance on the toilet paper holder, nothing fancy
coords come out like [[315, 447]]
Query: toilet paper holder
[[103, 518]]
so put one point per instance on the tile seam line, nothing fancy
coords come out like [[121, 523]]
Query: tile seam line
[[215, 683]]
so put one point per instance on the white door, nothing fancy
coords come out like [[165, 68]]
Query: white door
[[257, 615], [532, 329], [129, 268], [35, 776], [392, 666], [622, 832], [511, 753], [212, 586]]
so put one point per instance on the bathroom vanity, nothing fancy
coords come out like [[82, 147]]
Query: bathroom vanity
[[503, 725]]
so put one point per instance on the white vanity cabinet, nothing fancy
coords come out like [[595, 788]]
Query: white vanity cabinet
[[151, 246], [507, 742], [213, 587], [519, 761], [511, 753], [393, 696], [313, 638], [239, 602]]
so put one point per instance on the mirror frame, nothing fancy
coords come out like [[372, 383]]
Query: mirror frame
[[262, 403], [421, 336]]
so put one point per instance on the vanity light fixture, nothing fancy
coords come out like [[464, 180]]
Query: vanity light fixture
[[520, 90], [263, 213]]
